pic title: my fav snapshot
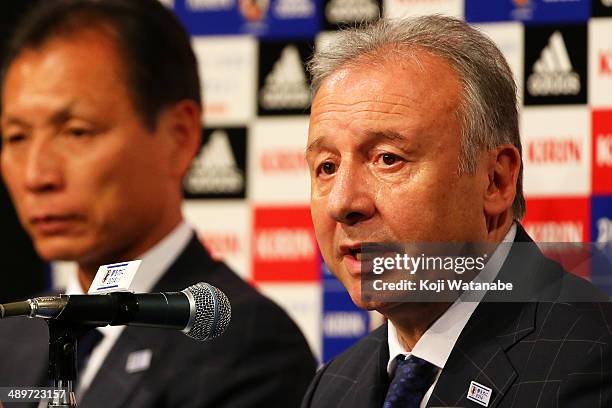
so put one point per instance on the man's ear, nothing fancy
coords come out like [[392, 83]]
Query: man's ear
[[181, 125], [503, 171]]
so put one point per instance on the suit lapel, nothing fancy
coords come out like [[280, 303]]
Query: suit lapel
[[480, 352], [117, 381], [376, 378], [366, 367]]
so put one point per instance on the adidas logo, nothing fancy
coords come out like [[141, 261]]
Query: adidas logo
[[348, 11], [214, 170], [552, 72], [294, 9], [286, 86]]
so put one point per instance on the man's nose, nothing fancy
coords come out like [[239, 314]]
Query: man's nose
[[350, 200], [43, 167]]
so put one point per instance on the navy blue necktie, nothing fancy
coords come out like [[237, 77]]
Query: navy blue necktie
[[85, 345], [413, 377]]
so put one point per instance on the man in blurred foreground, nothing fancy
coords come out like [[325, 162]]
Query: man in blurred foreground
[[100, 121], [414, 139]]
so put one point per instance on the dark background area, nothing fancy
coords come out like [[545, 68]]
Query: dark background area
[[22, 272]]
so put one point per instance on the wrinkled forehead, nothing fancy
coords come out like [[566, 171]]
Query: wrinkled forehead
[[416, 93], [407, 63]]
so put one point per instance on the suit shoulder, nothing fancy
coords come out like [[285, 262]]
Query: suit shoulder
[[588, 321], [569, 287]]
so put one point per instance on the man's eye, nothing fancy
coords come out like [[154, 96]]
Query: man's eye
[[78, 132], [14, 138], [388, 158], [328, 168]]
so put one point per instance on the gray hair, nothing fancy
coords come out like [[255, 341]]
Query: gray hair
[[488, 107]]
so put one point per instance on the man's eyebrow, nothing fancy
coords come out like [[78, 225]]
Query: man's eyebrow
[[390, 135], [56, 118], [314, 144], [6, 121], [63, 114]]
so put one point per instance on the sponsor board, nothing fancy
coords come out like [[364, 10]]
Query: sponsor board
[[527, 10], [600, 62], [343, 323], [602, 151], [219, 168], [284, 85], [284, 247], [558, 219], [302, 302], [223, 227], [409, 8], [601, 227], [342, 13], [325, 38], [509, 39], [228, 77], [277, 165], [262, 18], [602, 8], [601, 235], [555, 68], [556, 151]]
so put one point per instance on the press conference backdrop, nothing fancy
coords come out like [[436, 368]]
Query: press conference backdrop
[[248, 190], [23, 272]]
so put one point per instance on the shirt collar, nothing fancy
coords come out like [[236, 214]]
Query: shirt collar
[[439, 339], [154, 264]]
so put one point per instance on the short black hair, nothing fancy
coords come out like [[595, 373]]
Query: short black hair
[[158, 61]]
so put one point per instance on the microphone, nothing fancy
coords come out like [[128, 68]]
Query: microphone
[[201, 311]]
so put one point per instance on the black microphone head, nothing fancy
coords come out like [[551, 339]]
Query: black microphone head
[[212, 313]]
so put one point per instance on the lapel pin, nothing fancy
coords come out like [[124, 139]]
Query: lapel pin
[[138, 361], [479, 394]]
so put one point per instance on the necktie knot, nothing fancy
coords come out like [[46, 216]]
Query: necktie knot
[[413, 376]]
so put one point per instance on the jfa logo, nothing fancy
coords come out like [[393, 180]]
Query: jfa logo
[[479, 393], [113, 276]]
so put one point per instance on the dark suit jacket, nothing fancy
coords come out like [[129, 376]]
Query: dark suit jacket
[[262, 360], [531, 354]]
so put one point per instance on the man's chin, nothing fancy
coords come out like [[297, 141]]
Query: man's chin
[[58, 250], [369, 304]]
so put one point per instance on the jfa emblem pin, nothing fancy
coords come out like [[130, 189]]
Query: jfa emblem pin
[[479, 394]]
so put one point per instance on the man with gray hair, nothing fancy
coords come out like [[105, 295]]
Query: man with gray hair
[[414, 138]]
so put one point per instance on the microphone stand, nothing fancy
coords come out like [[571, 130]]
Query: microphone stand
[[63, 362]]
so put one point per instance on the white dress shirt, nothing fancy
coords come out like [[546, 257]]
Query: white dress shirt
[[439, 339], [155, 263]]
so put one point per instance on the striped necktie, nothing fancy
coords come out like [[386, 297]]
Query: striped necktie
[[413, 377]]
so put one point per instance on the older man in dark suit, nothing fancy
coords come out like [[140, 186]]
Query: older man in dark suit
[[100, 121], [414, 139]]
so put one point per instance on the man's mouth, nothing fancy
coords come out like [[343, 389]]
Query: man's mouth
[[51, 224], [355, 253]]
